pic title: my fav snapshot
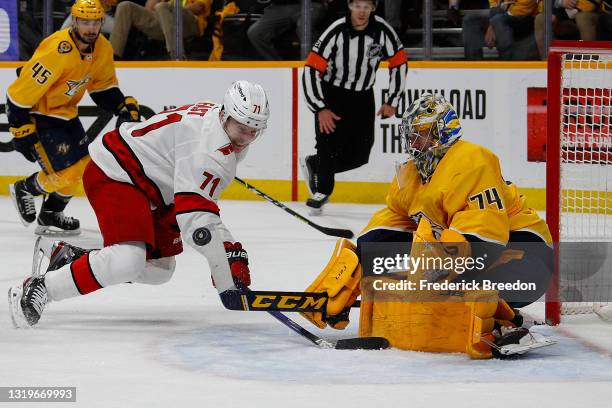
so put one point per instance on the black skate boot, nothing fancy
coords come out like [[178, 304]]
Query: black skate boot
[[309, 173], [316, 203], [24, 202], [62, 253], [27, 301], [56, 223]]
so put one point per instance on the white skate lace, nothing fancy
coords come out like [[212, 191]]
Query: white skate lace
[[63, 219], [28, 204], [38, 299]]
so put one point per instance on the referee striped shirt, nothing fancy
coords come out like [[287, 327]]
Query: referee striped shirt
[[348, 59]]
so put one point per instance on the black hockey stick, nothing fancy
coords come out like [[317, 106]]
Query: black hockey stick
[[6, 147], [335, 232], [357, 343]]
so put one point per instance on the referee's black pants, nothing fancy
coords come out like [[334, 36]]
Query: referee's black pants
[[349, 146]]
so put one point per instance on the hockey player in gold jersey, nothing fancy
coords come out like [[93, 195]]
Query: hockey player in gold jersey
[[42, 114], [448, 201]]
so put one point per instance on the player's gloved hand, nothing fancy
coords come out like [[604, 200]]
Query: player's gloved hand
[[128, 111], [238, 260], [24, 139]]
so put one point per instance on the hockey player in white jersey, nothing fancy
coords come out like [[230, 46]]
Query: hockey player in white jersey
[[151, 184]]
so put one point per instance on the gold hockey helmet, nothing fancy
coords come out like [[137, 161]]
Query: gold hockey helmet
[[88, 9]]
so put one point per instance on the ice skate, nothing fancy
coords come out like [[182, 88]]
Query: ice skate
[[512, 341], [307, 166], [62, 253], [316, 202], [23, 202], [56, 224], [27, 301]]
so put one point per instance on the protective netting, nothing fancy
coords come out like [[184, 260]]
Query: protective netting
[[585, 231]]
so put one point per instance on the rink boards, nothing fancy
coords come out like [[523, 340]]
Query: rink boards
[[491, 99]]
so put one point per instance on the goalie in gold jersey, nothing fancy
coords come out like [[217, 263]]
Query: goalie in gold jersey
[[450, 201], [42, 114]]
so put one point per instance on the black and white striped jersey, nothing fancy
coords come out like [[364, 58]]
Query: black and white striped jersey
[[348, 59]]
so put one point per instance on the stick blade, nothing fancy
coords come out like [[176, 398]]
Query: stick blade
[[363, 343], [336, 232]]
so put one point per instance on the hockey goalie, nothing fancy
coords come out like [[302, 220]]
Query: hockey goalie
[[448, 203]]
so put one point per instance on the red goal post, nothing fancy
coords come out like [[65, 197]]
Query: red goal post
[[579, 158]]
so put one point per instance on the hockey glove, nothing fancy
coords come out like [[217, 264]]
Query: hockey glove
[[128, 111], [24, 140], [238, 260]]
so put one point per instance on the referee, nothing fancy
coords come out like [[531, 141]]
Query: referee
[[338, 85]]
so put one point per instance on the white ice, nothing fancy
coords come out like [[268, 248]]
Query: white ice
[[174, 345]]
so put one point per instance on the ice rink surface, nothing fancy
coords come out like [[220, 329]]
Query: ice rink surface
[[174, 345]]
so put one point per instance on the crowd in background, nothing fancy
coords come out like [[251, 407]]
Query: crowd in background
[[271, 29]]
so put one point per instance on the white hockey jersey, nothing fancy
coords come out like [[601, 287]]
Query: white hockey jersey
[[181, 156]]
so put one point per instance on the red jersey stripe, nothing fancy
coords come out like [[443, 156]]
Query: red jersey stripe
[[83, 276], [189, 202], [132, 166]]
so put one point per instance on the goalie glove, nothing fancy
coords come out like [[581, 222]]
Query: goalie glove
[[25, 139], [128, 111], [238, 260]]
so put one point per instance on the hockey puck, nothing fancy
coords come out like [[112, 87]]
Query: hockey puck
[[202, 236]]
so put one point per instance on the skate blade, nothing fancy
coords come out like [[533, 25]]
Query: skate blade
[[315, 211], [42, 253], [14, 200], [17, 317], [48, 231]]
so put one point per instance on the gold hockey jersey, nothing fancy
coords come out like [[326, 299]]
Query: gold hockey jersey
[[466, 193], [54, 80]]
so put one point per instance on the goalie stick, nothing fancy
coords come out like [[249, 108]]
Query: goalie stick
[[335, 232], [356, 343], [41, 252], [6, 147]]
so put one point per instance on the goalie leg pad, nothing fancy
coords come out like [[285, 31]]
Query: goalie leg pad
[[340, 280], [452, 324]]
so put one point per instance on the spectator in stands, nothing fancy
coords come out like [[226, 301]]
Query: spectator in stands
[[279, 17], [604, 27], [107, 27], [156, 21], [30, 30], [508, 27], [572, 19], [393, 14]]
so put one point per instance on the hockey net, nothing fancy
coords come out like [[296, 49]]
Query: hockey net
[[579, 178]]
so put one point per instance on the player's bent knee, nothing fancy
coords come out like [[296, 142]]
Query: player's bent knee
[[157, 271], [119, 263]]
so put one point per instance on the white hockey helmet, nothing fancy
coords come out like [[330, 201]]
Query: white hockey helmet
[[247, 103]]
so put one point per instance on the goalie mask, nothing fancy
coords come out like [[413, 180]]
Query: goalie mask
[[247, 104], [429, 128]]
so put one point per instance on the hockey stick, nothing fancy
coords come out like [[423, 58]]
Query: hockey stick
[[6, 147], [335, 232], [357, 343]]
